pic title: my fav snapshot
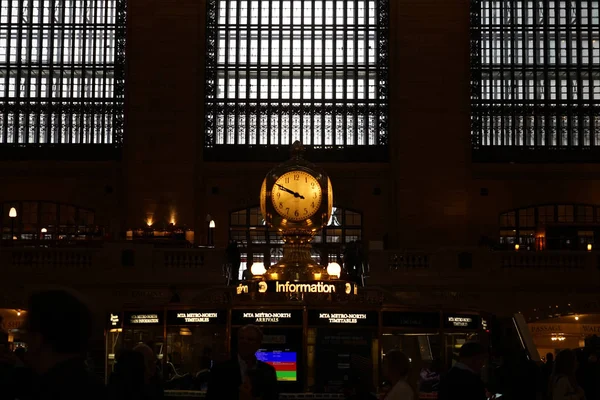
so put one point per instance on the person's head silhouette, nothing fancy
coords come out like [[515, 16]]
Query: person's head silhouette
[[58, 327]]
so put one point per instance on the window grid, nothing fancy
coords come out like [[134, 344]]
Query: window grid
[[535, 68], [308, 70], [62, 71]]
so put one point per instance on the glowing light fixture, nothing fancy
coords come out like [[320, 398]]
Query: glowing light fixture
[[517, 247], [13, 212], [589, 247], [334, 269], [212, 224], [258, 268], [576, 318], [44, 230]]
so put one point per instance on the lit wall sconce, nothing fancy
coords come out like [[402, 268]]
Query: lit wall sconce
[[576, 318], [211, 232], [44, 230], [12, 213], [589, 247], [517, 247]]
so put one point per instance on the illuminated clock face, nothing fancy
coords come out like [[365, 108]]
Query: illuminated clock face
[[296, 195]]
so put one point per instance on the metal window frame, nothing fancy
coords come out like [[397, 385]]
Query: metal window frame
[[531, 119], [44, 121], [241, 127]]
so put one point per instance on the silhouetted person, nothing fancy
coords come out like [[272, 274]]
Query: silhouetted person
[[127, 380], [153, 387], [591, 378], [244, 377], [396, 367], [463, 380], [563, 384], [234, 258], [58, 327], [546, 373]]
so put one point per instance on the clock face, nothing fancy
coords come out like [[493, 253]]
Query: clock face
[[296, 195]]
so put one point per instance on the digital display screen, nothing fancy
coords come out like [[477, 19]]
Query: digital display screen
[[283, 361]]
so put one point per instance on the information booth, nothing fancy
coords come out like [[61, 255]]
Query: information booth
[[343, 348], [418, 335], [283, 344]]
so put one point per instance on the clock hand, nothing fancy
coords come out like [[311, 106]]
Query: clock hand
[[296, 194]]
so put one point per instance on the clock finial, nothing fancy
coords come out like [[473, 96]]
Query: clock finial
[[297, 149]]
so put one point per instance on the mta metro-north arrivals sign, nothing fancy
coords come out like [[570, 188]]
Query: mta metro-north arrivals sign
[[266, 317]]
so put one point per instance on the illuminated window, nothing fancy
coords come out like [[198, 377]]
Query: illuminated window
[[535, 79], [550, 226], [41, 220], [308, 70], [61, 72]]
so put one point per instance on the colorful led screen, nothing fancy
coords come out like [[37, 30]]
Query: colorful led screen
[[284, 363]]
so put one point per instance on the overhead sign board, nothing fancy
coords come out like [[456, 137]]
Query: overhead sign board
[[143, 318], [266, 317], [462, 321], [401, 319], [343, 318], [196, 317], [288, 287]]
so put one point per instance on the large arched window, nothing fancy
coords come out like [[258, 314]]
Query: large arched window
[[551, 227], [37, 220], [259, 243]]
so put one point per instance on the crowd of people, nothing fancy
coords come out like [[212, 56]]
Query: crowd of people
[[54, 367]]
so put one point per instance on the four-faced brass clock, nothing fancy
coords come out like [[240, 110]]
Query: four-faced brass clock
[[296, 198]]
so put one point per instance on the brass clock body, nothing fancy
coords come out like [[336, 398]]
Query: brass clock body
[[296, 198]]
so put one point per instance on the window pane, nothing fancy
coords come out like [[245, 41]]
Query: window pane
[[535, 73], [70, 58], [332, 58]]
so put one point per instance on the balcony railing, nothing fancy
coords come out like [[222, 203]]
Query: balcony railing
[[144, 263]]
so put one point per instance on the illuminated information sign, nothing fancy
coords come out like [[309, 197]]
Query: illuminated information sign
[[337, 317], [195, 317], [287, 287], [266, 317], [143, 318]]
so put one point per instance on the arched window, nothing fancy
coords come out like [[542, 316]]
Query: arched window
[[259, 243], [47, 220], [551, 227]]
